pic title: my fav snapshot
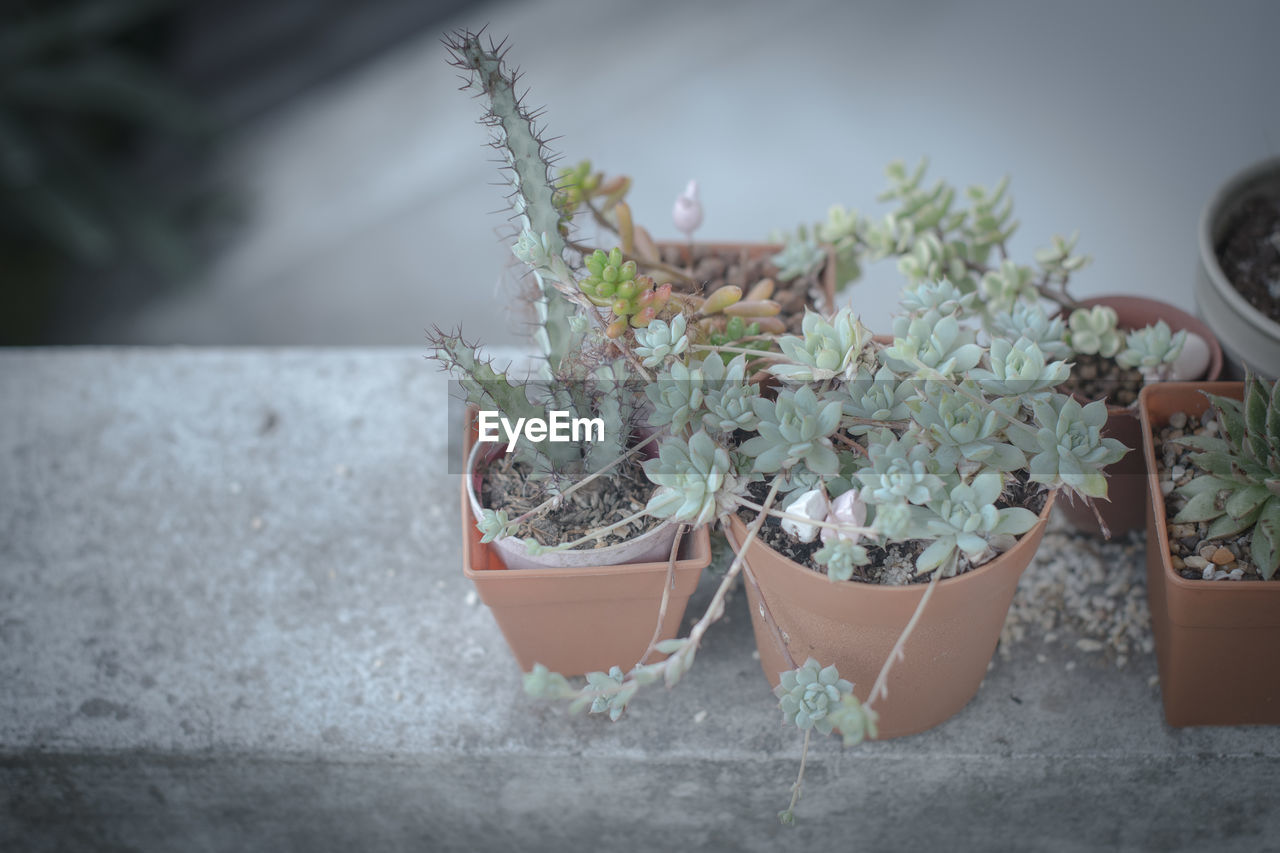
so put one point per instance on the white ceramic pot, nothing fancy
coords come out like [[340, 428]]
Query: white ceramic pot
[[650, 546], [1248, 337]]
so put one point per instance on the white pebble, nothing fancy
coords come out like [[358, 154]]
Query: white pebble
[[700, 716], [471, 598], [1177, 472], [1193, 361], [1207, 574], [1070, 665], [1236, 574]]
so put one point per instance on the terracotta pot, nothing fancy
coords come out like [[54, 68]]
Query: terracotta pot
[[1248, 336], [1126, 479], [854, 625], [582, 619], [756, 250], [1215, 640]]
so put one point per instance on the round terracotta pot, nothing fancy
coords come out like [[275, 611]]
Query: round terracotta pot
[[650, 546], [1125, 508], [1249, 337], [854, 626]]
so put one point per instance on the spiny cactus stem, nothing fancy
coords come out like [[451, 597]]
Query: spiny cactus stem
[[560, 496]]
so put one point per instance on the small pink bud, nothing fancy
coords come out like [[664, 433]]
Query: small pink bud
[[687, 213], [846, 509]]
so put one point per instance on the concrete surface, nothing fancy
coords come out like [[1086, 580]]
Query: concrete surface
[[232, 618], [371, 205]]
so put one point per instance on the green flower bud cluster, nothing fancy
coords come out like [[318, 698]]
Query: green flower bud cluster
[[633, 299]]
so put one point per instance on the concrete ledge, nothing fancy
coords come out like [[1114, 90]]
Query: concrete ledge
[[232, 617]]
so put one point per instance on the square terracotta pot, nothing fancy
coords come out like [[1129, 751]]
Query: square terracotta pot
[[584, 619], [1217, 642]]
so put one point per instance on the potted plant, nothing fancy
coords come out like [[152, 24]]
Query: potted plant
[[590, 574], [1115, 343], [1236, 290], [928, 457], [744, 292], [1213, 548]]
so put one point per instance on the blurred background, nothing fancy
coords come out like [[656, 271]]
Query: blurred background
[[270, 172]]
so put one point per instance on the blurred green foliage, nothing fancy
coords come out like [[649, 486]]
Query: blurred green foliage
[[83, 94]]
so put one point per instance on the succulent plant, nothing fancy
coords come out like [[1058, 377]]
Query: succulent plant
[[795, 428], [1153, 350], [1019, 369], [827, 349], [727, 398], [1092, 331], [809, 693], [1240, 486], [660, 341], [902, 468], [696, 480], [966, 427], [676, 395], [1069, 448], [870, 399], [938, 346], [968, 519], [841, 557], [1029, 320], [800, 256]]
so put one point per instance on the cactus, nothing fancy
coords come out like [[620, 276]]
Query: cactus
[[533, 197]]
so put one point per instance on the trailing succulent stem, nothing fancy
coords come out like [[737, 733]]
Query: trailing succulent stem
[[533, 196]]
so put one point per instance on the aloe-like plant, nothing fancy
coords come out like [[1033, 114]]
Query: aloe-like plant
[[1238, 488]]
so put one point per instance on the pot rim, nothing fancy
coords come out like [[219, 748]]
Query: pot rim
[[805, 575], [1157, 497], [1210, 215]]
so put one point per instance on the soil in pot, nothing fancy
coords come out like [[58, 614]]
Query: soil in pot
[[745, 265], [893, 565], [1097, 377], [505, 485], [1249, 254], [1191, 554]]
